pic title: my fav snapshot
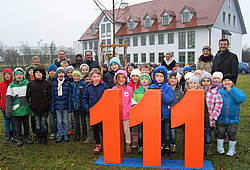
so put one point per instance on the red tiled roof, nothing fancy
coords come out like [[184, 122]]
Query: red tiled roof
[[203, 15]]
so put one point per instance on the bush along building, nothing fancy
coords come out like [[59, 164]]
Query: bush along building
[[182, 27]]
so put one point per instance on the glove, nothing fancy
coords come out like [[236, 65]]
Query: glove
[[8, 115]]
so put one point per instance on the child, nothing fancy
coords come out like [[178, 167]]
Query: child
[[78, 89], [145, 68], [145, 81], [178, 65], [64, 64], [198, 73], [30, 73], [134, 82], [213, 105], [17, 106], [9, 124], [92, 94], [69, 71], [52, 117], [230, 114], [121, 81], [130, 68], [192, 70], [186, 69], [167, 97], [114, 65], [61, 103], [84, 68], [217, 80], [187, 76], [193, 83], [174, 79], [39, 96]]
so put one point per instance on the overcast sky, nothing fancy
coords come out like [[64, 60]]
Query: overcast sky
[[62, 21]]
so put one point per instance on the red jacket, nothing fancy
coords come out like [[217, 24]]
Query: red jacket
[[133, 86], [4, 86]]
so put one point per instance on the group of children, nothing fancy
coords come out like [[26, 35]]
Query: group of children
[[67, 95]]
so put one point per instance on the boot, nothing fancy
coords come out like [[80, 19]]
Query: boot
[[173, 148], [44, 139], [77, 138], [220, 148], [59, 139], [19, 142], [7, 136], [28, 140], [14, 138], [207, 149], [38, 138], [128, 148], [231, 150]]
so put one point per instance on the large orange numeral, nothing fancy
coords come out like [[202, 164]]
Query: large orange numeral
[[148, 112], [190, 111], [109, 111]]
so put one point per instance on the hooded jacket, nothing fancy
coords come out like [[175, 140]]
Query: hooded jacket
[[133, 85], [4, 86], [109, 78], [77, 93], [167, 93], [127, 95]]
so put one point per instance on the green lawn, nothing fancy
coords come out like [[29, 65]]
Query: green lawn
[[76, 155]]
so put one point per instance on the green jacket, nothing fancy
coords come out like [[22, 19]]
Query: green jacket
[[16, 102], [138, 94]]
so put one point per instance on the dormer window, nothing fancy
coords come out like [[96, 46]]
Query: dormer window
[[133, 22], [130, 25], [185, 17], [167, 16], [187, 14], [147, 21], [165, 19]]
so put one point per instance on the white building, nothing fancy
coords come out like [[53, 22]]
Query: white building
[[182, 27]]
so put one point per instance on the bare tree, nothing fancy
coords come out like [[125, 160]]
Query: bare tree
[[12, 58], [52, 50], [26, 53]]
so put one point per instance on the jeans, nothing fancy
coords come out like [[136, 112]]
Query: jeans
[[165, 132], [230, 129], [97, 130], [140, 135], [19, 122], [62, 122], [70, 120], [79, 114], [208, 135], [9, 124], [173, 136], [33, 123], [52, 123], [41, 122]]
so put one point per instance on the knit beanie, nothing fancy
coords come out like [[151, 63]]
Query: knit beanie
[[41, 70], [131, 64], [206, 48], [69, 68], [59, 70], [18, 70], [228, 76], [187, 68], [135, 72], [218, 74], [198, 72], [188, 75], [145, 75], [30, 67], [77, 72], [52, 67], [84, 65], [206, 75], [116, 61], [193, 79]]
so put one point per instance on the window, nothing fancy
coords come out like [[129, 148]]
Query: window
[[109, 43], [143, 40], [104, 43], [143, 58], [90, 45], [127, 41], [182, 40], [85, 45], [131, 25], [170, 38], [160, 57], [135, 41], [152, 58], [96, 45], [105, 19], [135, 58], [224, 17], [226, 34], [229, 19], [160, 38], [151, 39], [109, 29], [165, 20], [103, 30], [182, 56], [234, 20], [191, 58], [191, 39], [128, 58], [147, 22], [185, 17], [120, 41]]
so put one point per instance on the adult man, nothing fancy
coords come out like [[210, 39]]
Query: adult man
[[89, 60], [61, 57], [77, 62], [225, 61]]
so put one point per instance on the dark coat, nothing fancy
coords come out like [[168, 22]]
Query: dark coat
[[109, 78], [63, 102], [92, 64], [170, 66], [178, 95], [77, 64], [227, 63]]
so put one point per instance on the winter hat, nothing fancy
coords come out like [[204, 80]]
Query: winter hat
[[198, 72], [228, 76], [131, 64], [193, 69], [188, 75], [218, 74], [180, 70], [187, 68], [120, 72], [77, 72], [18, 70], [52, 67], [84, 65], [136, 72], [59, 70], [105, 66], [174, 69], [206, 48], [30, 67], [116, 61], [206, 75], [145, 75], [175, 74], [78, 55], [69, 68], [193, 79], [41, 70], [179, 64]]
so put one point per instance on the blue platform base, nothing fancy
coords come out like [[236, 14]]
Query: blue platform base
[[165, 164]]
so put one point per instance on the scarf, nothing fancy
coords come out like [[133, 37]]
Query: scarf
[[206, 58], [168, 62], [59, 88]]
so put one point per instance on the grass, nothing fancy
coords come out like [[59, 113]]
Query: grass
[[76, 155]]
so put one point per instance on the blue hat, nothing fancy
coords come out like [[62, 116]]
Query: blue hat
[[178, 63], [187, 68], [52, 67], [116, 61]]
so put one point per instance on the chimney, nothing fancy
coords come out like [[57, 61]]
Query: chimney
[[124, 5]]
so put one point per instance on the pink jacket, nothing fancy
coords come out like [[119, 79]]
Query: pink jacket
[[127, 95]]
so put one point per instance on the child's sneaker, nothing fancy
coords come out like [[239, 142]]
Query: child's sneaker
[[59, 139], [173, 148], [98, 149], [69, 132], [28, 140], [140, 150], [77, 138], [19, 142], [52, 136]]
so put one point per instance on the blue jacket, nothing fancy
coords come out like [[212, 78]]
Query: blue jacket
[[167, 93], [230, 112], [63, 102], [77, 93], [92, 94]]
